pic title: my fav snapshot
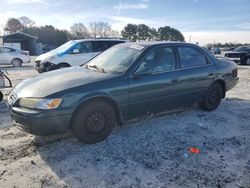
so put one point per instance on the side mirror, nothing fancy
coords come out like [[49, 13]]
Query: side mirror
[[76, 51]]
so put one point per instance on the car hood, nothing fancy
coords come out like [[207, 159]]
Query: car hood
[[58, 80], [45, 56]]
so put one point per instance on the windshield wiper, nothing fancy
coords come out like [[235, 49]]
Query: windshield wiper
[[96, 67]]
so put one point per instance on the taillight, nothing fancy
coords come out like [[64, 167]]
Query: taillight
[[235, 73]]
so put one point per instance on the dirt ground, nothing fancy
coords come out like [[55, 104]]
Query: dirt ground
[[150, 153]]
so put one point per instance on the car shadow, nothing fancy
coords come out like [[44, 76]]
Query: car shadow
[[10, 67], [156, 152]]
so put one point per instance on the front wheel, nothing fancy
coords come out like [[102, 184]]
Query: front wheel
[[93, 121], [212, 98]]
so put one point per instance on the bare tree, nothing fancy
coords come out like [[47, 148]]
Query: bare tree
[[101, 29], [13, 25], [26, 22], [93, 29], [79, 31]]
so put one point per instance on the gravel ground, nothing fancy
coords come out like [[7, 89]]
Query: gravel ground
[[149, 153]]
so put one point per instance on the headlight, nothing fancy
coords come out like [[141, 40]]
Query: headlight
[[48, 59], [40, 103], [48, 103]]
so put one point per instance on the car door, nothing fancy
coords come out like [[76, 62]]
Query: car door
[[150, 86], [5, 55], [79, 54], [194, 75]]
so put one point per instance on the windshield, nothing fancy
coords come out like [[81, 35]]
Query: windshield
[[64, 47], [117, 59]]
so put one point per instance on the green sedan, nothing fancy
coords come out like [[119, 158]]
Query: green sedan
[[124, 82]]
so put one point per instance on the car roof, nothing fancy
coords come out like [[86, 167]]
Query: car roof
[[156, 43], [82, 40], [243, 47], [7, 47]]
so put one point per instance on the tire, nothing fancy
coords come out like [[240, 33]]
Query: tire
[[62, 65], [17, 62], [40, 71], [93, 121], [1, 96], [248, 61], [212, 98]]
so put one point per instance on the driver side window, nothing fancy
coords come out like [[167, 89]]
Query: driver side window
[[158, 60], [83, 47]]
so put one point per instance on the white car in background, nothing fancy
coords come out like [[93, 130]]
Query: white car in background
[[11, 56], [73, 53]]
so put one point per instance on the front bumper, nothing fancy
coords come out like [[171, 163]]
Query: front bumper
[[42, 122], [44, 67], [232, 83]]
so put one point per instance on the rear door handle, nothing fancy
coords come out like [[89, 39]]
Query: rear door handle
[[211, 74]]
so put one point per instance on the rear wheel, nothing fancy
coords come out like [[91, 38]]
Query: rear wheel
[[16, 62], [40, 71], [93, 121], [212, 98], [62, 65]]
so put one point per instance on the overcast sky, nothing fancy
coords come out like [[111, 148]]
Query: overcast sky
[[205, 21]]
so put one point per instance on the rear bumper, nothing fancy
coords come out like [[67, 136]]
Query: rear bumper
[[42, 123], [26, 59]]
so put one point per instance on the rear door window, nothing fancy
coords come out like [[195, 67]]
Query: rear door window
[[191, 57], [112, 43], [100, 46], [6, 50]]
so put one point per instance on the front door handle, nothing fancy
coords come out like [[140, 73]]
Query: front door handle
[[211, 74]]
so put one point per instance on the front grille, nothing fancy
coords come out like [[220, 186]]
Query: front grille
[[233, 55], [37, 63]]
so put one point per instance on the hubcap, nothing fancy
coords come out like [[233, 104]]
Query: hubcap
[[96, 122], [213, 96]]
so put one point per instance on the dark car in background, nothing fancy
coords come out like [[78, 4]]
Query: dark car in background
[[126, 81], [217, 51], [240, 55]]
